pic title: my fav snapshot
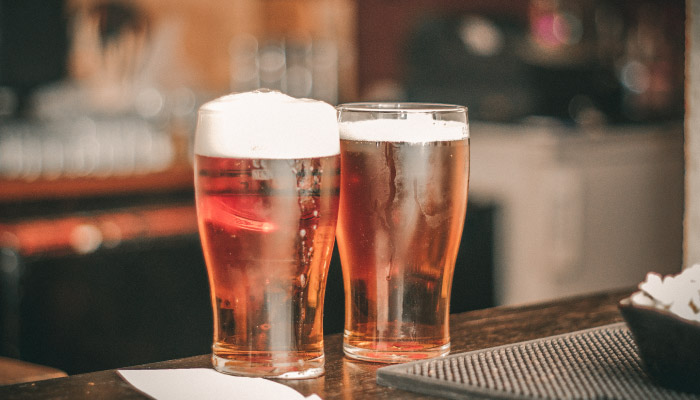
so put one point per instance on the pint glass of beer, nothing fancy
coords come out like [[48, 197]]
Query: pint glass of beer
[[266, 182], [403, 200]]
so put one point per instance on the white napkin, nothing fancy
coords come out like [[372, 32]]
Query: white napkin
[[204, 384], [678, 294]]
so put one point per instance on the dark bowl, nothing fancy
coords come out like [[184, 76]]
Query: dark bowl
[[668, 345]]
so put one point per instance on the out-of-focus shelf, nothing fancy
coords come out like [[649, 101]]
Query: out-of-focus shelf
[[176, 177], [83, 233]]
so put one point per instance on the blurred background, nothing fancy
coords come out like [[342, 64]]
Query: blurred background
[[576, 111]]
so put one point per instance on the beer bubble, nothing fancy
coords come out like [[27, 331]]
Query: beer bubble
[[302, 232]]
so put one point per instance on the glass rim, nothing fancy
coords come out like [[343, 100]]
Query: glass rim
[[400, 107]]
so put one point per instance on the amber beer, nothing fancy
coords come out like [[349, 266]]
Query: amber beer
[[267, 227], [402, 207]]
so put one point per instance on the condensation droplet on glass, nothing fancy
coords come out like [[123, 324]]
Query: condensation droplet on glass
[[302, 232], [315, 215], [302, 280]]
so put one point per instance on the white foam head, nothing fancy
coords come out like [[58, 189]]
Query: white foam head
[[412, 128], [266, 124]]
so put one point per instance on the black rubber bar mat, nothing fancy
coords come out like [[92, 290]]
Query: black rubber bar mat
[[598, 363]]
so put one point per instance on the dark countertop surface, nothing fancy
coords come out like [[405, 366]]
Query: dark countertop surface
[[345, 379]]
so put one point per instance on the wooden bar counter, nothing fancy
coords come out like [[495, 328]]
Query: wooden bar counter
[[345, 379]]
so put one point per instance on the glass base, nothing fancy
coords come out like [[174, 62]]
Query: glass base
[[301, 369], [396, 354]]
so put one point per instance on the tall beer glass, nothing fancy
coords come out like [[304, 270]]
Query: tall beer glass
[[266, 182], [403, 200]]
